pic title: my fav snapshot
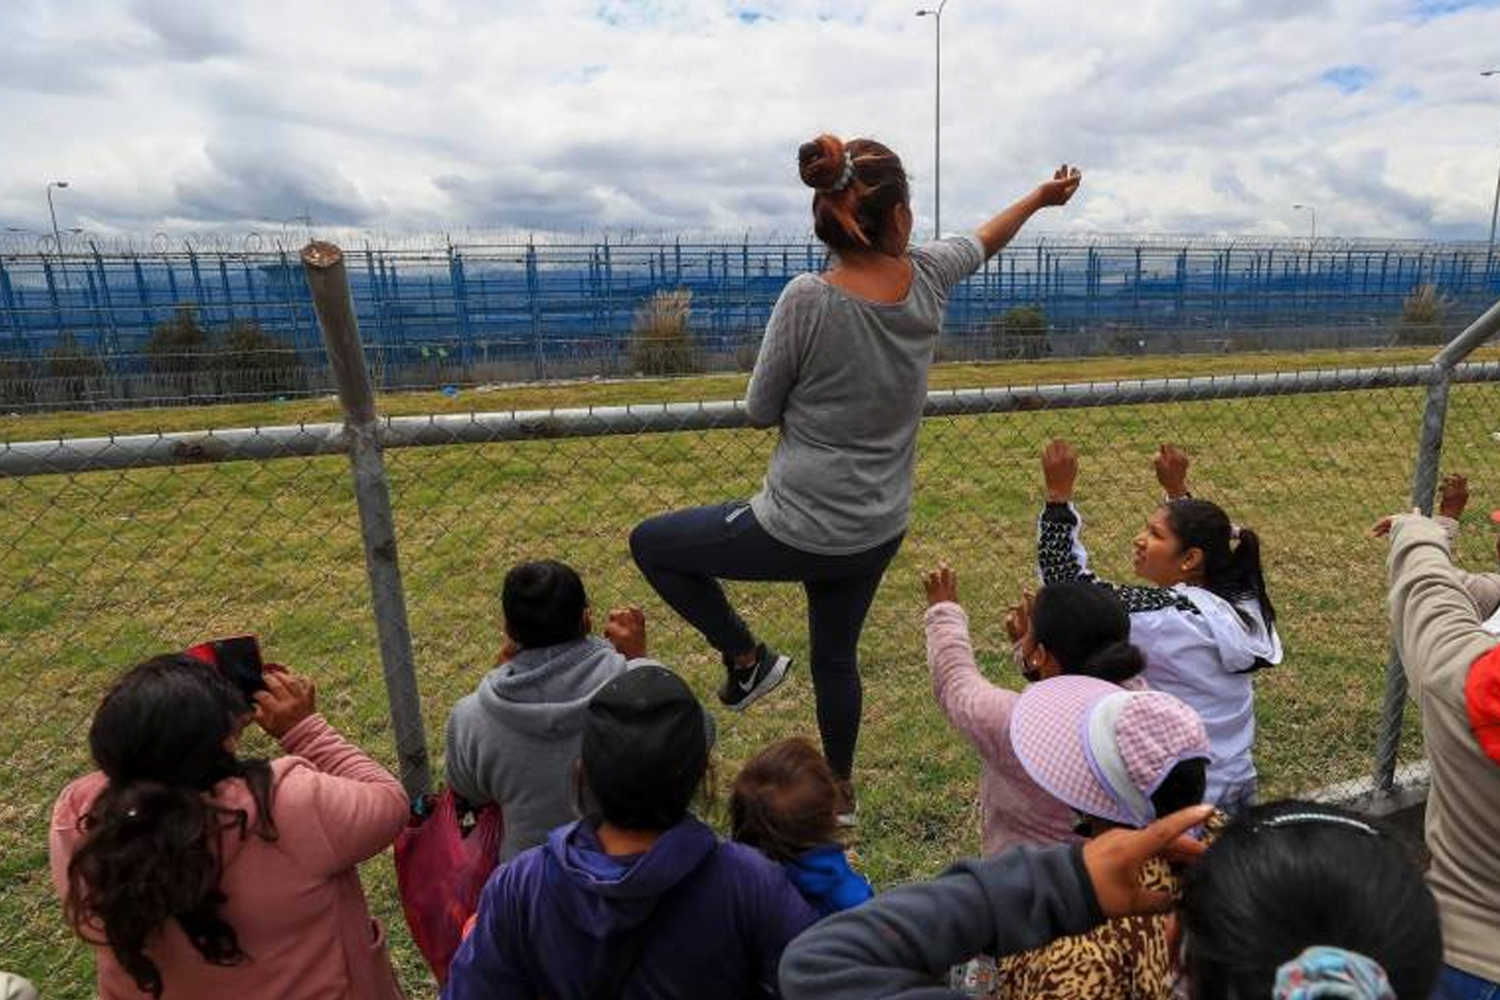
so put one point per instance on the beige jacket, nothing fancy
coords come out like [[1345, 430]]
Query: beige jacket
[[1436, 628], [1483, 588]]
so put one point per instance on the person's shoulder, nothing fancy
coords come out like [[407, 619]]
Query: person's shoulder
[[467, 707], [806, 292], [294, 783], [75, 800], [746, 865], [950, 251], [808, 283]]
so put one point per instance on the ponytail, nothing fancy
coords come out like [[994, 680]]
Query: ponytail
[[1244, 565], [1117, 663], [1232, 573], [152, 845]]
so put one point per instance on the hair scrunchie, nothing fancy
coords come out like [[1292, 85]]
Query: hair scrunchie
[[846, 177], [1322, 971]]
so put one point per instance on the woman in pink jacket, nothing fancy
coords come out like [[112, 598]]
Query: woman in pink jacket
[[197, 874], [1069, 628]]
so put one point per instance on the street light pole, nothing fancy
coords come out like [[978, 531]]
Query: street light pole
[[1314, 213], [1495, 210], [937, 122], [56, 234]]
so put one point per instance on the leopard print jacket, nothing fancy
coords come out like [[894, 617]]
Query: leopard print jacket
[[1122, 959]]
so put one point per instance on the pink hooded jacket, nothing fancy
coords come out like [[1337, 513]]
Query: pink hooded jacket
[[295, 902], [1015, 809]]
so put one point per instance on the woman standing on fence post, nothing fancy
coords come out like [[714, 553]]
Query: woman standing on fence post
[[842, 371]]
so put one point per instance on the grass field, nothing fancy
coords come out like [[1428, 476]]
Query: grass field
[[99, 570]]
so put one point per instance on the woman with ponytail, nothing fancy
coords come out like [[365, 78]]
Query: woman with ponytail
[[1072, 628], [842, 372], [195, 873], [1205, 623]]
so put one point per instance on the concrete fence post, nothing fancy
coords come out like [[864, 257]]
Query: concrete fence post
[[329, 284]]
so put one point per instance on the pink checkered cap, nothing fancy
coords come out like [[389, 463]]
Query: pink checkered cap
[[1049, 731]]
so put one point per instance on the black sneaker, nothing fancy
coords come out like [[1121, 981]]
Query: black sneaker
[[743, 685]]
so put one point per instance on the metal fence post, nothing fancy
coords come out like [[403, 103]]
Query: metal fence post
[[1424, 485], [329, 284]]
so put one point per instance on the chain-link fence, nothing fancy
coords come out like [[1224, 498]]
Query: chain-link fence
[[113, 549]]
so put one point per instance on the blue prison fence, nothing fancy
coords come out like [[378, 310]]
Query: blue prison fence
[[465, 313]]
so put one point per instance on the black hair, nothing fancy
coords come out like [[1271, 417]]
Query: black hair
[[151, 849], [1273, 884], [543, 602], [1234, 573], [1183, 786], [1086, 627]]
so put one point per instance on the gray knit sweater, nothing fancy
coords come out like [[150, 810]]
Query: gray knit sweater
[[846, 379]]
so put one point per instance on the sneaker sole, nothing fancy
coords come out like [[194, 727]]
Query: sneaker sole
[[767, 684]]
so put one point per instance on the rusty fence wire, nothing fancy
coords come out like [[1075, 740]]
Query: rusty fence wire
[[112, 549]]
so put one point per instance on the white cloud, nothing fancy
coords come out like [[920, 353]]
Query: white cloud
[[1208, 115]]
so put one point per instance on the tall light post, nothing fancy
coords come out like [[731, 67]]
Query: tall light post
[[56, 235], [1314, 213], [937, 122], [1495, 210]]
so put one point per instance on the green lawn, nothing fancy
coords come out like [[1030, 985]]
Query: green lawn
[[102, 569]]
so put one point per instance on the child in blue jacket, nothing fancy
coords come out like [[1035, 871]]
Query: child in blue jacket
[[785, 802]]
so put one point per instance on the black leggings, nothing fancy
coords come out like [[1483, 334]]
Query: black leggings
[[684, 554]]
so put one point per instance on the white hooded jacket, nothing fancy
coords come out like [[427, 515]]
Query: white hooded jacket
[[1198, 646]]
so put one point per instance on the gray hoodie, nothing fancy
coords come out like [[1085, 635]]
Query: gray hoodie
[[514, 740]]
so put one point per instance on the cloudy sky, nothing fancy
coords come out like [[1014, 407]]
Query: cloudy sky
[[431, 115]]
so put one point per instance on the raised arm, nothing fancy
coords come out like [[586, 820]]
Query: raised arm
[[896, 946], [976, 708], [344, 809], [899, 944], [1001, 229], [1433, 618], [1060, 554]]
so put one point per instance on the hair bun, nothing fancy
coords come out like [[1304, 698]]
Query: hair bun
[[1117, 662], [821, 161]]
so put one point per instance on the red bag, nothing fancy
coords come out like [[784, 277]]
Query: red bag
[[441, 868]]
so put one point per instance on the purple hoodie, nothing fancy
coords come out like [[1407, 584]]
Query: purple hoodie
[[724, 917]]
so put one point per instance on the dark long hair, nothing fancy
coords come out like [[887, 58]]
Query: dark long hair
[[785, 800], [859, 214], [1232, 571], [1279, 880], [152, 845], [1087, 628]]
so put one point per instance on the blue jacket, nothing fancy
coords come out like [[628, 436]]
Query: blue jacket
[[824, 878], [721, 915]]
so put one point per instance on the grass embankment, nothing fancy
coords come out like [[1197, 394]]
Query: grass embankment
[[100, 570]]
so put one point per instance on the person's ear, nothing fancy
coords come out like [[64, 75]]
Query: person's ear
[[1192, 560], [904, 225], [586, 621], [1045, 663]]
